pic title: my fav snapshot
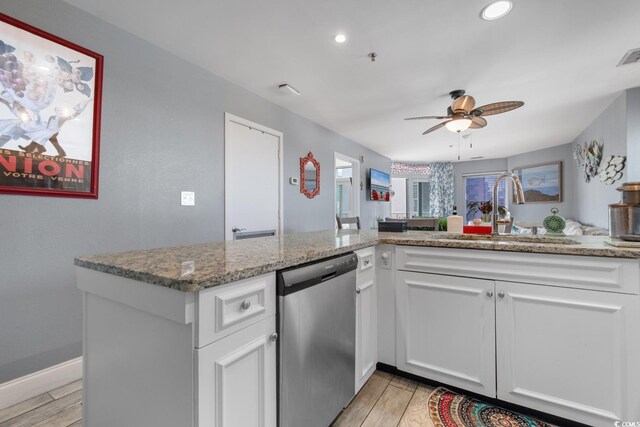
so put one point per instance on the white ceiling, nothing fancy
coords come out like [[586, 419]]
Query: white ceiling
[[559, 57]]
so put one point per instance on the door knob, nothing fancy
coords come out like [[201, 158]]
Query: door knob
[[500, 294], [245, 304], [489, 294], [273, 337]]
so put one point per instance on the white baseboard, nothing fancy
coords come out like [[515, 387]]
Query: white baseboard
[[24, 388]]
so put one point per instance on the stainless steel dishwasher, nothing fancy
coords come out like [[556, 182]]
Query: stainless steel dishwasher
[[316, 349]]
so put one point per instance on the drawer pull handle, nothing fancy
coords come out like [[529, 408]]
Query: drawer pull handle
[[274, 337], [366, 262], [245, 304], [489, 294], [500, 294]]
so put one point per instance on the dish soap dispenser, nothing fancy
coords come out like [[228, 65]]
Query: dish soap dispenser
[[454, 222]]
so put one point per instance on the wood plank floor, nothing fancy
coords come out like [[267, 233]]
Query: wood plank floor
[[61, 407], [385, 401]]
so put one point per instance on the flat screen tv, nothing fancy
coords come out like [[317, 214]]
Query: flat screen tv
[[379, 185]]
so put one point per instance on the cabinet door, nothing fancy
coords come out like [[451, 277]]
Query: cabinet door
[[236, 379], [366, 331], [446, 329], [568, 352]]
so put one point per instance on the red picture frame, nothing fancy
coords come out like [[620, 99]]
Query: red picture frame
[[58, 79]]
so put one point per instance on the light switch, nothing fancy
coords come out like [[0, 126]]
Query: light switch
[[188, 198]]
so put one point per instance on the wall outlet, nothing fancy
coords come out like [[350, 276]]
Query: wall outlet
[[188, 198]]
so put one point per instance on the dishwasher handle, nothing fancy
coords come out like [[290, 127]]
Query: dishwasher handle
[[297, 278]]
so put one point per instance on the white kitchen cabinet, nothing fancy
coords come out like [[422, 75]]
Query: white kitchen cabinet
[[565, 341], [446, 329], [167, 358], [236, 378], [366, 317], [572, 353]]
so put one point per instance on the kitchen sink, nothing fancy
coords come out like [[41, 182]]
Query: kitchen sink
[[510, 238]]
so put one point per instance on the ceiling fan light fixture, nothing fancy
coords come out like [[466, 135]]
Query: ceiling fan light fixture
[[496, 10], [458, 125]]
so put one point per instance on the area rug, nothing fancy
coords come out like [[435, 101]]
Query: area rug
[[449, 409]]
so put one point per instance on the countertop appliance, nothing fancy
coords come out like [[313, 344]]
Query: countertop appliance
[[624, 217], [316, 346]]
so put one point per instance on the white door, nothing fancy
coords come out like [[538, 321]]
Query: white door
[[568, 352], [253, 177], [236, 379], [446, 329], [366, 317]]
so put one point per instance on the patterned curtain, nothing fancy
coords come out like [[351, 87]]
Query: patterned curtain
[[441, 189]]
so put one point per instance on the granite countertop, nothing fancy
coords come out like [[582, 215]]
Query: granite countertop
[[223, 262]]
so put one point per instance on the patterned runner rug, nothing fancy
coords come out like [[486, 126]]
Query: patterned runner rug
[[449, 409]]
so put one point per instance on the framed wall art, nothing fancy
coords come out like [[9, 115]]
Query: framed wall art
[[541, 183], [50, 99]]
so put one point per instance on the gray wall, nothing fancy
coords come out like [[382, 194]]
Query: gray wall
[[633, 135], [538, 211], [592, 199], [475, 166], [162, 132]]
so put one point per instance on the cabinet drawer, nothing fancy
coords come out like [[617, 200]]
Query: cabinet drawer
[[581, 272], [231, 307]]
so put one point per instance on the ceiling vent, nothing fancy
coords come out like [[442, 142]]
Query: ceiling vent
[[631, 57]]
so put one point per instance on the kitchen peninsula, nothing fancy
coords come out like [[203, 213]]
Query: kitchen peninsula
[[547, 323]]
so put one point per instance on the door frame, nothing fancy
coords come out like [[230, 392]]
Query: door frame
[[355, 184], [228, 120]]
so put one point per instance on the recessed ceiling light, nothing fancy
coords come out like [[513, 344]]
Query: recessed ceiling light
[[496, 10], [340, 38]]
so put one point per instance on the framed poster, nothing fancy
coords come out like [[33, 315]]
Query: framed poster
[[50, 98], [541, 183]]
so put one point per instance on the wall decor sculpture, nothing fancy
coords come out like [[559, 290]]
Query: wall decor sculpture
[[588, 158], [613, 169]]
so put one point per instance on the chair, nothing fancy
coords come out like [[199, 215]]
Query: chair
[[350, 220]]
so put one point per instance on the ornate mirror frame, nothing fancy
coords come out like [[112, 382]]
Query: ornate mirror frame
[[303, 188]]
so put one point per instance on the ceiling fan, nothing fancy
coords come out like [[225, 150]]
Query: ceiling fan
[[463, 114]]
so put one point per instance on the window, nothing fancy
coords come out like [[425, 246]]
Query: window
[[411, 198], [479, 188], [420, 206]]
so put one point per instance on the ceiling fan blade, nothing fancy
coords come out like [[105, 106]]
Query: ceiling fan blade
[[436, 127], [499, 107], [464, 103], [478, 122], [428, 117]]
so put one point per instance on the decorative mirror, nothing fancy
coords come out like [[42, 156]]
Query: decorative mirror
[[309, 176]]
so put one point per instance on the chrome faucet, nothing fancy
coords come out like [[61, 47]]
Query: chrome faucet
[[494, 205]]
